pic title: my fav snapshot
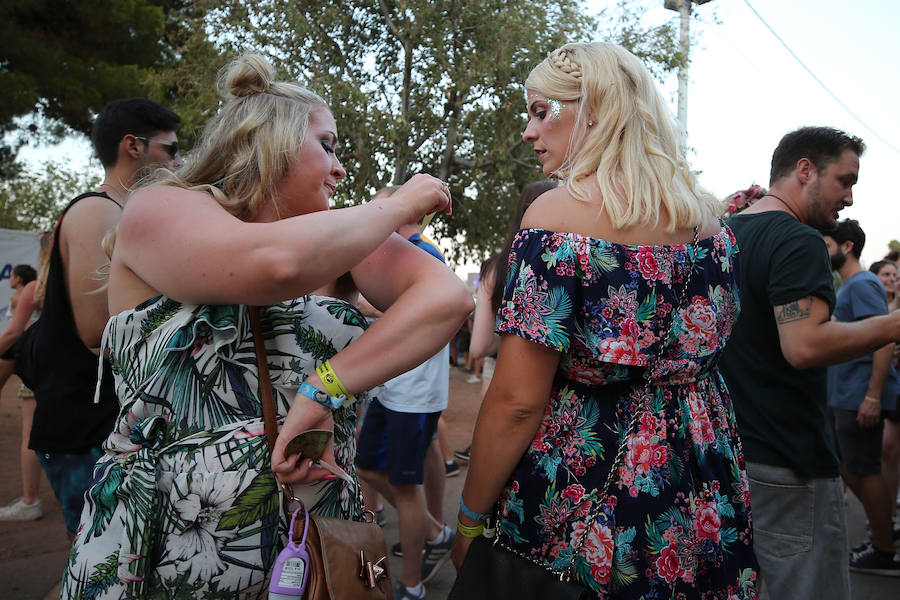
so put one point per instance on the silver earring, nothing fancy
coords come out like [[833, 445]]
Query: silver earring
[[590, 123]]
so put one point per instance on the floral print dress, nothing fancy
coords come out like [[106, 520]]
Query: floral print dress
[[184, 504], [676, 523]]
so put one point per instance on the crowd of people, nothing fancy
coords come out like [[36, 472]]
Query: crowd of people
[[672, 404]]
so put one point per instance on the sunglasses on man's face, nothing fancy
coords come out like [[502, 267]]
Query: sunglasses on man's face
[[171, 147]]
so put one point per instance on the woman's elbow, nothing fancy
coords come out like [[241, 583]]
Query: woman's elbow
[[454, 301], [514, 408]]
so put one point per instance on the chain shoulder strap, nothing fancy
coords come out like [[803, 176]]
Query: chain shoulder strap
[[640, 405]]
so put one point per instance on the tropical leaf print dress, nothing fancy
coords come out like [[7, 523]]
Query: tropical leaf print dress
[[677, 521], [184, 503]]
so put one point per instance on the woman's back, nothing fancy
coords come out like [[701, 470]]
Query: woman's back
[[609, 309]]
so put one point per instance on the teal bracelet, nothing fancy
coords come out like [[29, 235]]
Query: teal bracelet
[[469, 512]]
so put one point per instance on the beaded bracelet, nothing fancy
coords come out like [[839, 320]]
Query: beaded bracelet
[[475, 516], [469, 532], [332, 384]]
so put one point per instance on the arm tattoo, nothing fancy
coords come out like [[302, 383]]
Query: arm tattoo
[[793, 311]]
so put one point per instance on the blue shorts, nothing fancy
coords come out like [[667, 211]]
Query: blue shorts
[[70, 476], [396, 442]]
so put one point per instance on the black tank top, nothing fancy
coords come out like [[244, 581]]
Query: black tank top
[[66, 419]]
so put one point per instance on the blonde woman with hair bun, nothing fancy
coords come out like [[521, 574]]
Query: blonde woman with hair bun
[[185, 501], [607, 436]]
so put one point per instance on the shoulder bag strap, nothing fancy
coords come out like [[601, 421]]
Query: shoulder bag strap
[[265, 383]]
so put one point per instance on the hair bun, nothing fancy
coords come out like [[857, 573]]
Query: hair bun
[[562, 61], [247, 74]]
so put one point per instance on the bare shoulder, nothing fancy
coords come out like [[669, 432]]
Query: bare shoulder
[[164, 204], [712, 226], [154, 198], [89, 211], [552, 210]]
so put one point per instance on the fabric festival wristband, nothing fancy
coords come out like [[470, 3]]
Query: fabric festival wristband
[[873, 399], [316, 395], [332, 384], [469, 512], [469, 532]]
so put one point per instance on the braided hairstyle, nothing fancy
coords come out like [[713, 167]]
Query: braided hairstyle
[[562, 60], [251, 143], [623, 134]]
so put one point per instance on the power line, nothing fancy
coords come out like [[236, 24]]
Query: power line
[[819, 81]]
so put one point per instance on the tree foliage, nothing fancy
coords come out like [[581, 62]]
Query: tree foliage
[[33, 199], [64, 60], [430, 86], [60, 62], [415, 85], [185, 81]]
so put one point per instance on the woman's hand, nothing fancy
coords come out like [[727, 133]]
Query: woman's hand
[[303, 416], [420, 196], [458, 552]]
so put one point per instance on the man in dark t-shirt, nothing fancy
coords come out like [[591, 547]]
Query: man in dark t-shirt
[[774, 363]]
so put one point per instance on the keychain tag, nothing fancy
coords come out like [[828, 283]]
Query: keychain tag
[[291, 570]]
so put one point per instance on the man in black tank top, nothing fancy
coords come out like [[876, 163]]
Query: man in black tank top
[[130, 136]]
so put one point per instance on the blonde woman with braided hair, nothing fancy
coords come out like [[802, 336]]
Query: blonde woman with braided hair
[[607, 437], [185, 501]]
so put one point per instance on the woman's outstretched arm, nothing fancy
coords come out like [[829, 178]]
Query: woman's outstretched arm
[[424, 303], [184, 245]]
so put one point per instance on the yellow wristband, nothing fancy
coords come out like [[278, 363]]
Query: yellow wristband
[[873, 399], [332, 384], [469, 532]]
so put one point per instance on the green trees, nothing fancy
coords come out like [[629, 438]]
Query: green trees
[[34, 198], [430, 86], [64, 60], [416, 85]]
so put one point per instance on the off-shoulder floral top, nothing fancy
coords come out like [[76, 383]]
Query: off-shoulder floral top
[[676, 523]]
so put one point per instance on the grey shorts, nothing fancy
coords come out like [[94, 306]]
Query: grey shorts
[[799, 534], [859, 447]]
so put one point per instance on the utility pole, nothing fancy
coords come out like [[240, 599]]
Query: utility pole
[[684, 9]]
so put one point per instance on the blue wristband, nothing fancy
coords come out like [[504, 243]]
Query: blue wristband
[[469, 512], [316, 395]]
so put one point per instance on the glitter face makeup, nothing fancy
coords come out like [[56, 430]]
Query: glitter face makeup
[[555, 108]]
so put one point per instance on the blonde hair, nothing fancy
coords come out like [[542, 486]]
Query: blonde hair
[[631, 146], [253, 140]]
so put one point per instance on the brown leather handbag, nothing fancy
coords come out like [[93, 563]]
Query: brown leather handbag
[[347, 559]]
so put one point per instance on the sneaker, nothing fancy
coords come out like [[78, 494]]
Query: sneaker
[[396, 550], [401, 592], [463, 455], [17, 510], [473, 379], [875, 562], [436, 555], [860, 548], [451, 468]]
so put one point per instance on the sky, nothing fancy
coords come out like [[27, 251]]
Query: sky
[[746, 91]]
